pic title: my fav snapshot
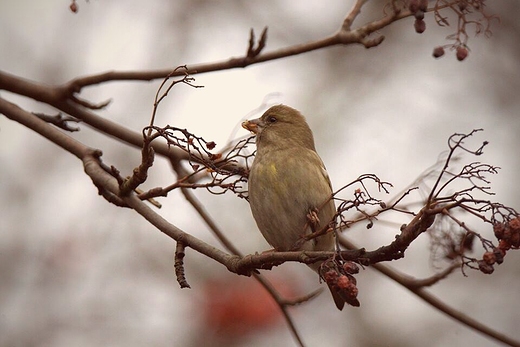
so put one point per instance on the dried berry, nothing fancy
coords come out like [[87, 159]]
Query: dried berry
[[485, 267], [74, 7], [419, 14], [515, 239], [343, 282], [462, 53], [499, 255], [515, 224], [423, 5], [420, 26], [507, 233], [330, 276], [438, 52], [489, 258], [498, 228], [413, 5], [350, 267], [504, 245]]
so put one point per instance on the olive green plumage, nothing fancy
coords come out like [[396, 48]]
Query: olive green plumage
[[287, 182]]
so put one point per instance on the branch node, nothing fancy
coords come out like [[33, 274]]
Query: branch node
[[369, 43], [59, 120]]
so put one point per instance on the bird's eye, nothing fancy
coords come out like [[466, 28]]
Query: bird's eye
[[272, 119]]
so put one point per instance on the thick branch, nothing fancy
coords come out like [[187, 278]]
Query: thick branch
[[344, 36]]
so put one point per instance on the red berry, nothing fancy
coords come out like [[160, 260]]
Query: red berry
[[350, 267], [515, 224], [330, 276], [489, 258], [498, 228], [499, 255], [74, 7], [485, 267], [462, 53], [438, 52], [420, 26], [413, 5], [343, 282], [504, 245]]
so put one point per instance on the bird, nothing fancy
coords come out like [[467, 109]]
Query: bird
[[289, 190]]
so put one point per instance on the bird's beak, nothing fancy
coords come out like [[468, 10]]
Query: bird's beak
[[252, 125]]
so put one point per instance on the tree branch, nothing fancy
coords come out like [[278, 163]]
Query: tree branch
[[435, 302]]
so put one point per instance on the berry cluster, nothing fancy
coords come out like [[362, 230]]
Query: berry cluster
[[508, 235], [461, 52], [469, 13], [339, 275], [418, 7]]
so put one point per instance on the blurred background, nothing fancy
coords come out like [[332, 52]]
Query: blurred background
[[77, 271]]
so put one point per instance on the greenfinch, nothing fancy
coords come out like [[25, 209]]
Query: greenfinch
[[290, 193]]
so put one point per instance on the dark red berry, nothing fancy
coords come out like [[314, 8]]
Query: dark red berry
[[413, 5], [462, 53], [489, 258], [499, 255], [420, 26], [74, 7], [438, 52], [343, 282], [485, 267], [350, 267]]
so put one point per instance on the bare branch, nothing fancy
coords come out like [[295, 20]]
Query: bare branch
[[435, 302]]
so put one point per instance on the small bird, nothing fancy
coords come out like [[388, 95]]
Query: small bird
[[290, 194]]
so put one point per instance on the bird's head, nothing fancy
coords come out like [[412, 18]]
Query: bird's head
[[281, 127]]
